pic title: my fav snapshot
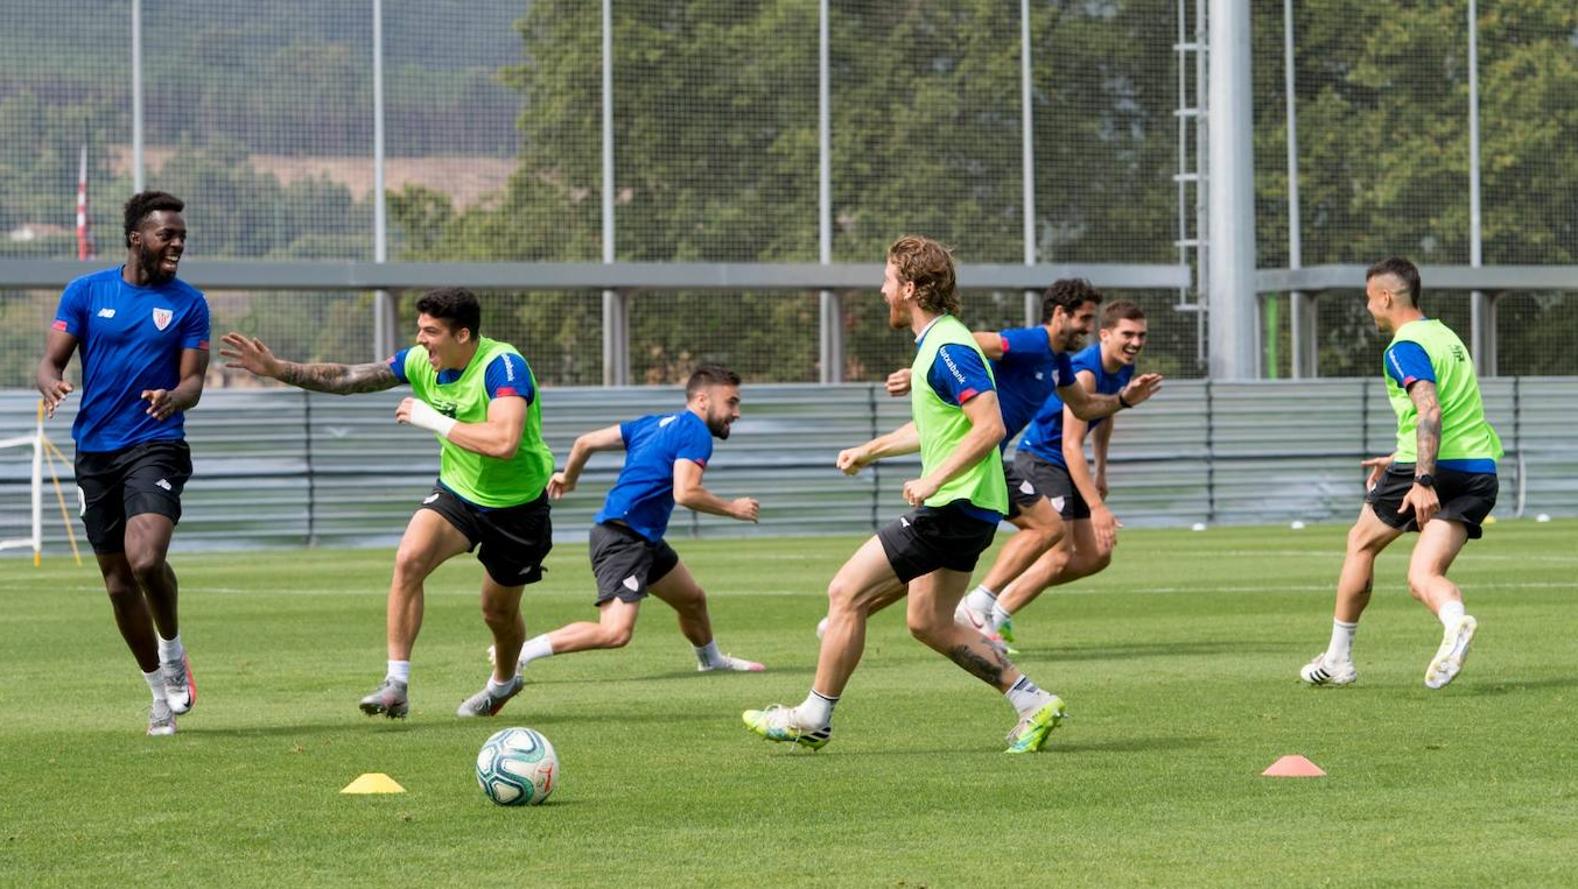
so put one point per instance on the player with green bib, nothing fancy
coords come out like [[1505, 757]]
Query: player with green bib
[[480, 398], [1440, 482], [959, 500]]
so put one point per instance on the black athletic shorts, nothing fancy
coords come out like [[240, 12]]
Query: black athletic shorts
[[626, 563], [930, 537], [1022, 493], [116, 485], [514, 540], [1465, 497], [1054, 483]]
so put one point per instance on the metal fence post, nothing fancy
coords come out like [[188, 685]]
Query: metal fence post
[[616, 306], [831, 326]]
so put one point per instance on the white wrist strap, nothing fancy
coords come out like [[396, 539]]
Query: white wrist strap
[[427, 418]]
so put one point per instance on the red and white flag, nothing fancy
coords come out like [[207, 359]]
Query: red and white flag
[[84, 236]]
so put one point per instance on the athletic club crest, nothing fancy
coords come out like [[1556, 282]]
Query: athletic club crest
[[161, 318]]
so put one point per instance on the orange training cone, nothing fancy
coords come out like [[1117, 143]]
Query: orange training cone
[[1293, 767]]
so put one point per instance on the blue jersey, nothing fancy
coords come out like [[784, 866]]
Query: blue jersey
[[130, 339], [643, 497], [505, 376], [1027, 374], [1045, 436]]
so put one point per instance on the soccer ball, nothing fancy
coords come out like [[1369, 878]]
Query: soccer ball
[[517, 767]]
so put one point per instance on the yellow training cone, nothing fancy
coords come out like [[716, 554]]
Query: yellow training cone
[[373, 782]]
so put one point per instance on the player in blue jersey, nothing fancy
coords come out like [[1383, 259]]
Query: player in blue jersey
[[1052, 456], [143, 339], [665, 456]]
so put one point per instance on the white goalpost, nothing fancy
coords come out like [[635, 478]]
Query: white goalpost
[[42, 447]]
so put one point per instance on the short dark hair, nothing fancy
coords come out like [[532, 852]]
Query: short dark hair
[[1122, 310], [143, 203], [1070, 293], [929, 266], [1404, 270], [455, 305], [709, 375]]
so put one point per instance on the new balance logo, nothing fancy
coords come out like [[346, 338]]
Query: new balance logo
[[904, 521], [106, 313], [429, 498], [163, 484], [527, 570], [667, 420]]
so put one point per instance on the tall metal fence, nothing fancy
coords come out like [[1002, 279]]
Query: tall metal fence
[[792, 139], [287, 468]]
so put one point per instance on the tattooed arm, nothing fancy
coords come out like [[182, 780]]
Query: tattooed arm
[[1423, 500], [341, 379]]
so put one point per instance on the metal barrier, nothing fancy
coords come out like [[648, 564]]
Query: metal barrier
[[286, 468]]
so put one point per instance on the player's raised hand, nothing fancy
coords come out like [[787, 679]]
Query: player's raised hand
[[250, 354], [53, 394], [898, 382], [161, 403], [851, 460], [1141, 387], [746, 509], [1377, 466], [558, 486]]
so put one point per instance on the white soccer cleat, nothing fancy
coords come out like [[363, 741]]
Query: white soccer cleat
[[730, 663], [1449, 658], [160, 720], [1320, 671], [965, 616], [180, 689]]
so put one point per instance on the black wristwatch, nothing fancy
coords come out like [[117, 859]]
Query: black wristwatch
[[1123, 404], [1425, 481]]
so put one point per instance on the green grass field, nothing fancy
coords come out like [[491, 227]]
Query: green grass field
[[1179, 666]]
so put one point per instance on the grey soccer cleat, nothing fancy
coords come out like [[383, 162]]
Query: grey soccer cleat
[[389, 698], [160, 720], [486, 703]]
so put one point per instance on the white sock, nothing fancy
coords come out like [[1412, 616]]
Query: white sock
[[708, 655], [981, 600], [400, 671], [1450, 614], [1026, 697], [999, 617], [171, 650], [816, 711], [536, 647], [1341, 647], [499, 689], [155, 682]]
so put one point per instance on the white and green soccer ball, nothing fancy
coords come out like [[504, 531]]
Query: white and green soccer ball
[[517, 767]]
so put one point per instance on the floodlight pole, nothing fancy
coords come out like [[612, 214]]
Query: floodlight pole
[[138, 179], [831, 306], [616, 306], [1232, 335], [1482, 309], [1028, 158], [384, 321]]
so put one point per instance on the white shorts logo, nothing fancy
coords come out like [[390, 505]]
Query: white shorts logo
[[1057, 503], [429, 498], [163, 483], [632, 584], [161, 318], [82, 501], [1026, 487]]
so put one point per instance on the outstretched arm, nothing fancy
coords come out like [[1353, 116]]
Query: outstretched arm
[[609, 438], [1094, 406], [903, 440], [249, 353], [689, 493]]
